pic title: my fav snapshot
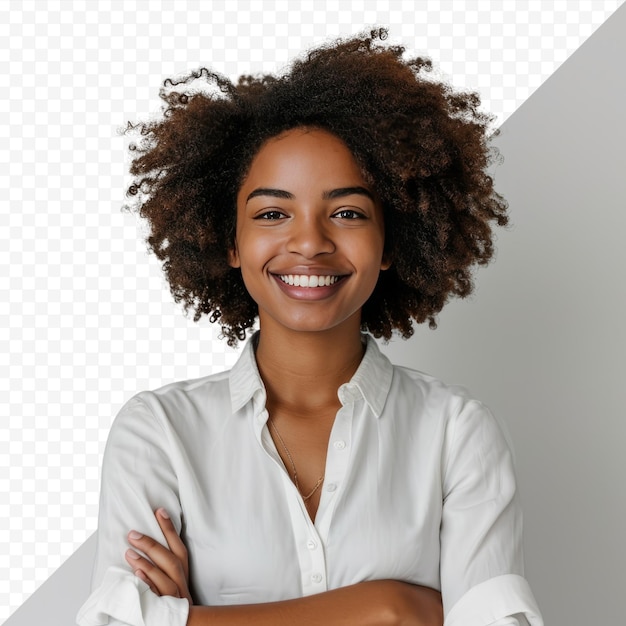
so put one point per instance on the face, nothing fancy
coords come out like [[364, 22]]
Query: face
[[310, 233]]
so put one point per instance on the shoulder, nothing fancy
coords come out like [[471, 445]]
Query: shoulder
[[473, 445], [451, 407], [428, 393], [181, 393], [178, 403], [409, 394]]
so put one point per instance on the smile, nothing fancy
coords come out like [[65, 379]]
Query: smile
[[304, 280]]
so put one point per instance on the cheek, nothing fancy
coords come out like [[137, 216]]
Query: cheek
[[253, 255], [372, 253]]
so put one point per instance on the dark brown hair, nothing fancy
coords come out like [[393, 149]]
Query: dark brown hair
[[424, 147]]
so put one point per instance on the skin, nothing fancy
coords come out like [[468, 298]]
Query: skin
[[304, 209]]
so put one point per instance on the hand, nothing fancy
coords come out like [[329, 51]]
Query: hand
[[165, 571]]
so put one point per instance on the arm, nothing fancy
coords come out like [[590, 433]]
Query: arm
[[482, 565], [372, 603], [375, 603], [137, 474]]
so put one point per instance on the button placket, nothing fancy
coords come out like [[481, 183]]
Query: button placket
[[313, 565], [337, 460], [308, 545]]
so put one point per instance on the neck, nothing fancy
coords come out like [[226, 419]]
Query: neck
[[303, 370]]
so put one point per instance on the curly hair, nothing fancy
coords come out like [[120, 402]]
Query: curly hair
[[423, 146]]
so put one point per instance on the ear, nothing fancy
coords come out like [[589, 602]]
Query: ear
[[233, 256], [385, 264]]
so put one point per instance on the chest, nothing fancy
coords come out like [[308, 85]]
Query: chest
[[251, 537], [301, 443]]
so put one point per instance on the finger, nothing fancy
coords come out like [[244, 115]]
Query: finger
[[173, 539], [157, 580], [146, 580], [165, 560]]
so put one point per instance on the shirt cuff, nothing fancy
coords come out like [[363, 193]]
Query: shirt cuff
[[492, 601], [122, 598]]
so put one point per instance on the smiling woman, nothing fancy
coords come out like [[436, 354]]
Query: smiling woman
[[304, 212], [315, 482]]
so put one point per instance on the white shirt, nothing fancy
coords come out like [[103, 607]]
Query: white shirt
[[419, 487]]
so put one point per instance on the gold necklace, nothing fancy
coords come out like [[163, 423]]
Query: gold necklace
[[293, 465]]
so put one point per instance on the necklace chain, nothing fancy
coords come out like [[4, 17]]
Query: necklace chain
[[293, 465]]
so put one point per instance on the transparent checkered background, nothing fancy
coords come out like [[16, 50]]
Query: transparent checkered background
[[86, 319]]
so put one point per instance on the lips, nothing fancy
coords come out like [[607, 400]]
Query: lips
[[309, 287], [308, 280]]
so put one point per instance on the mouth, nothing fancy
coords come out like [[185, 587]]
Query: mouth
[[308, 281]]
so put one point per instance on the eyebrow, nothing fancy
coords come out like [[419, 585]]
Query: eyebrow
[[327, 195], [274, 193], [347, 191]]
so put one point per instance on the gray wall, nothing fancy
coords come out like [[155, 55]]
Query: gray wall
[[542, 341]]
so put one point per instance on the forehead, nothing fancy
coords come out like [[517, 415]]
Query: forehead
[[306, 156]]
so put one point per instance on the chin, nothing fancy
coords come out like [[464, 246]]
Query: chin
[[311, 325]]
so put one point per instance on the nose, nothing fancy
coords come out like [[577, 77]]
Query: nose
[[309, 236]]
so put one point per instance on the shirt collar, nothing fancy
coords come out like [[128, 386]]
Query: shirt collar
[[371, 381], [245, 380]]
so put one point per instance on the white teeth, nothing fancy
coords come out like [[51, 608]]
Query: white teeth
[[303, 280]]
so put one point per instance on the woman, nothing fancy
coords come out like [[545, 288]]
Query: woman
[[314, 482]]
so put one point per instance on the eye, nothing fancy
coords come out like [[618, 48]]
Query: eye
[[349, 214], [272, 214]]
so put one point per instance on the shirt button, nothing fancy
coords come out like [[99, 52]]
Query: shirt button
[[331, 487], [311, 545], [339, 445], [316, 578]]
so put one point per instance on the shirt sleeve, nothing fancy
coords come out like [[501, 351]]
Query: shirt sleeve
[[482, 563], [137, 478]]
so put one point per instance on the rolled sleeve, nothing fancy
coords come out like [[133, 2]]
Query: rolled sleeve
[[138, 477], [501, 601], [122, 598], [482, 567]]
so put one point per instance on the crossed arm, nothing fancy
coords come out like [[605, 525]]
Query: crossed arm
[[372, 603]]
